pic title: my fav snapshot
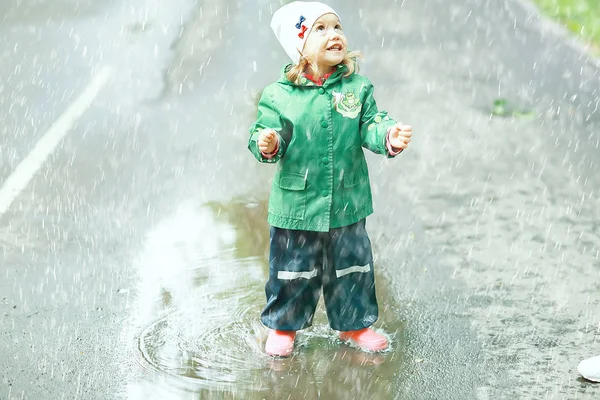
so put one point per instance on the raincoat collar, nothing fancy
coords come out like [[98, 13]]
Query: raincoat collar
[[335, 76], [321, 80]]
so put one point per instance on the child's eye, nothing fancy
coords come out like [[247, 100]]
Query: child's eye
[[338, 27], [320, 28]]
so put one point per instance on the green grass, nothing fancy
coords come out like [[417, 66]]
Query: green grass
[[580, 16]]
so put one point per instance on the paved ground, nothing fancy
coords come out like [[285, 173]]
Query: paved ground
[[134, 259]]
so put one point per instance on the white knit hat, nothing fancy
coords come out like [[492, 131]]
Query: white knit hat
[[292, 24]]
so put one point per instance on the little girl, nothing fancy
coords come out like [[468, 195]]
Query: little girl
[[314, 122]]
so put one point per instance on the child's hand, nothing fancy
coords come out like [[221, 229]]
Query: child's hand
[[267, 141], [400, 136]]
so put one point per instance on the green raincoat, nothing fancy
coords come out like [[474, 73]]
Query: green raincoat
[[322, 180]]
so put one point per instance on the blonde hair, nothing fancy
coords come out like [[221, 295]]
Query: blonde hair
[[294, 74]]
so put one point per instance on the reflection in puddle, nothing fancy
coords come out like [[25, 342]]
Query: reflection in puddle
[[198, 331], [208, 340]]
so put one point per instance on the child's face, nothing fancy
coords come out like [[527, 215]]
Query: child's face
[[326, 43]]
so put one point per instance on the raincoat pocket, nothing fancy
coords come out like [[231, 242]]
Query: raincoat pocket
[[355, 190], [353, 178], [288, 196]]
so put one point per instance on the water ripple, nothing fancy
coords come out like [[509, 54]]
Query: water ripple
[[211, 337]]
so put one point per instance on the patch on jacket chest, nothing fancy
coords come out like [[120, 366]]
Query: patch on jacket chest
[[347, 103]]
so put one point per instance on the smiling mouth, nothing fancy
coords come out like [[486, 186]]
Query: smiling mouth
[[335, 47]]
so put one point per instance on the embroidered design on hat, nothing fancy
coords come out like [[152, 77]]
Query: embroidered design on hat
[[299, 24], [301, 34]]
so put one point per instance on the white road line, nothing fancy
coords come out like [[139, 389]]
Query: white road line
[[26, 170]]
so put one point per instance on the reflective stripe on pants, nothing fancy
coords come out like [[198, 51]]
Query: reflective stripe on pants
[[340, 262]]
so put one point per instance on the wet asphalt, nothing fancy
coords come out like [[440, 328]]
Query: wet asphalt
[[134, 261]]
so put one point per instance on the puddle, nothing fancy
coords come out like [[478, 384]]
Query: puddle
[[197, 326], [209, 338]]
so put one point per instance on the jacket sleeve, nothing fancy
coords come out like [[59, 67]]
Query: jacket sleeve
[[374, 125], [268, 118]]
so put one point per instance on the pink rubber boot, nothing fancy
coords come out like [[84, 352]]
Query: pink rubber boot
[[280, 343], [366, 339]]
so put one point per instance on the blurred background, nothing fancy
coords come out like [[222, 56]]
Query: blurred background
[[133, 234]]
